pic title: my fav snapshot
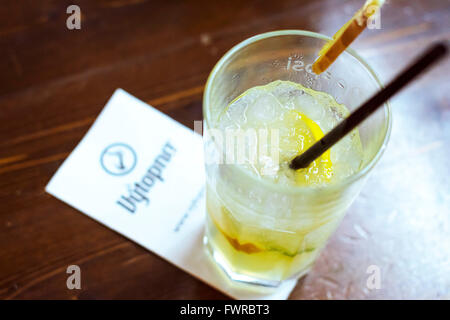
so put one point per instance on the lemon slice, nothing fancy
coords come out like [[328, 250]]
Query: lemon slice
[[345, 36], [303, 133]]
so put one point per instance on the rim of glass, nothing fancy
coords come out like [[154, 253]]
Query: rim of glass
[[294, 189]]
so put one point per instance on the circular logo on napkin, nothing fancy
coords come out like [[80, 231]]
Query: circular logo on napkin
[[118, 159]]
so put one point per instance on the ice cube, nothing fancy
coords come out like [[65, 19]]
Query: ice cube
[[265, 109]]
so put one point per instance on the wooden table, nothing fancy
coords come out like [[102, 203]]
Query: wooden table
[[55, 81]]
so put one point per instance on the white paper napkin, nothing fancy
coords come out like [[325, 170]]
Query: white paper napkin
[[141, 173]]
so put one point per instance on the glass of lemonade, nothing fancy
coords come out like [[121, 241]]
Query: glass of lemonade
[[263, 106]]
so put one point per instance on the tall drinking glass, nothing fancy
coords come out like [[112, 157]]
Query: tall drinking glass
[[260, 232]]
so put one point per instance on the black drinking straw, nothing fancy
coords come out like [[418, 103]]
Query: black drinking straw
[[434, 53]]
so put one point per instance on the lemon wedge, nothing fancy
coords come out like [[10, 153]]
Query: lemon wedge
[[303, 133]]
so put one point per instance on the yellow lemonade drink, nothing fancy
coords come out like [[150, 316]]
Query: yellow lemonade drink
[[263, 105], [259, 233]]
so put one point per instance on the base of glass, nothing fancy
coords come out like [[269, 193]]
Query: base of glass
[[239, 278]]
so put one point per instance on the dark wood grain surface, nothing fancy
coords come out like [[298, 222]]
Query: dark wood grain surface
[[55, 81]]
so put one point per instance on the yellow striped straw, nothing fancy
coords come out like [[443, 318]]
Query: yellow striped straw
[[345, 35]]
